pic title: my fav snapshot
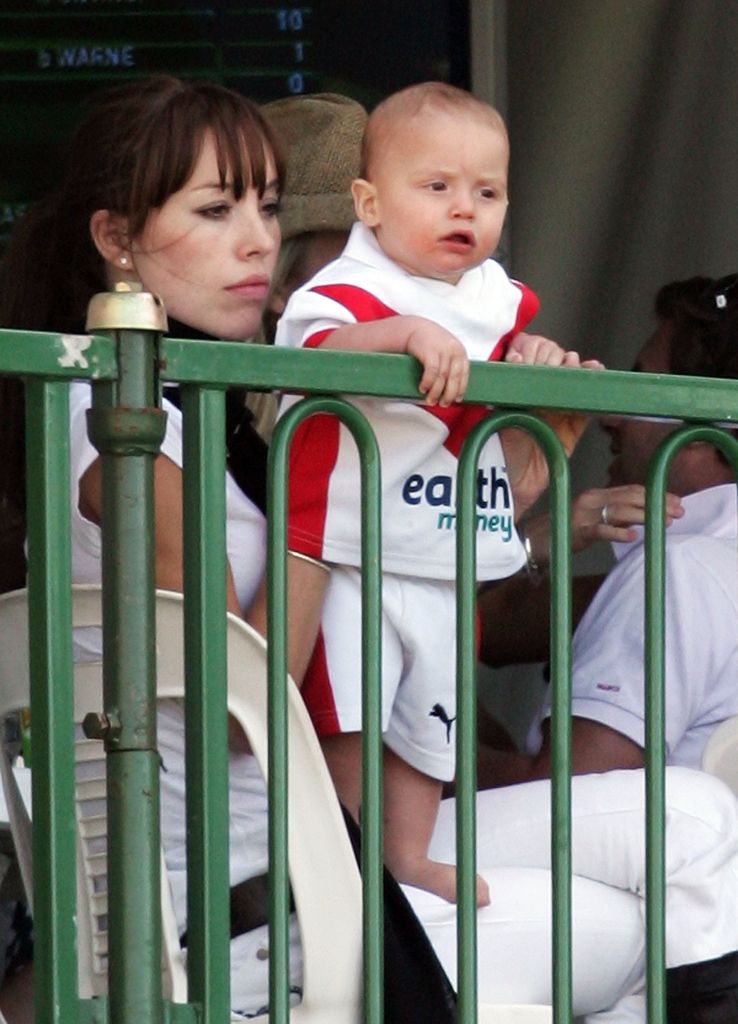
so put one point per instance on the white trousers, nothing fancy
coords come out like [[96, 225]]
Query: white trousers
[[513, 854]]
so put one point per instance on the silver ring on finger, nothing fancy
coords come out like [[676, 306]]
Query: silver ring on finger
[[603, 516]]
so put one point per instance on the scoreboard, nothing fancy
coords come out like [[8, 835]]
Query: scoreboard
[[54, 54]]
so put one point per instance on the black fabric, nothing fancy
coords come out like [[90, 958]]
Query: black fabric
[[249, 906], [18, 938], [246, 450], [703, 993], [416, 988]]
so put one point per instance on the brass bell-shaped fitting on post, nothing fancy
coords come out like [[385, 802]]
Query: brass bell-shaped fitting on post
[[126, 308]]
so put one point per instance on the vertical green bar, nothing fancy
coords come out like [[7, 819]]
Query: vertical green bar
[[52, 702], [279, 908], [128, 435], [655, 584], [655, 757], [466, 713], [372, 805], [371, 845], [208, 912], [560, 647], [466, 723]]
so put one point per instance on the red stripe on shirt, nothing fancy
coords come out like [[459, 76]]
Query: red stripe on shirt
[[313, 455], [314, 448], [365, 307], [527, 309], [459, 421], [317, 692], [317, 339], [360, 303]]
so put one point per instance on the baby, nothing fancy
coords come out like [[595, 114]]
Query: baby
[[415, 277]]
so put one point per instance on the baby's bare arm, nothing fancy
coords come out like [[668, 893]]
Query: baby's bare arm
[[442, 356]]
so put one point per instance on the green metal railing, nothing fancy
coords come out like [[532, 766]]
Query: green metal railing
[[371, 804], [655, 755], [126, 366]]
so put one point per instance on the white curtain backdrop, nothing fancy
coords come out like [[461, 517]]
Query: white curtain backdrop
[[624, 129], [623, 118]]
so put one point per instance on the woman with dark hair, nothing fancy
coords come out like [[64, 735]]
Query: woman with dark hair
[[176, 186]]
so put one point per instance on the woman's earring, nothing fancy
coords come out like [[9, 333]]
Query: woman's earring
[[123, 261]]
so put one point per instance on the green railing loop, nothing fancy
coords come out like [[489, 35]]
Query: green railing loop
[[206, 720], [654, 668], [560, 709], [371, 807]]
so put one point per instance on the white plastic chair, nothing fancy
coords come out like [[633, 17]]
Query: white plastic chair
[[323, 873], [324, 876], [90, 803], [720, 756]]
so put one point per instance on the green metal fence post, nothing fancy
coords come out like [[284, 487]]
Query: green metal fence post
[[127, 429]]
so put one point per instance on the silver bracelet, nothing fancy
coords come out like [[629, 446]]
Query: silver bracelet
[[532, 568], [310, 559]]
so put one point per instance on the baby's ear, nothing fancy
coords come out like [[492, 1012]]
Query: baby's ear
[[365, 202]]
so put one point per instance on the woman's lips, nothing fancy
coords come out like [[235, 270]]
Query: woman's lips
[[250, 288]]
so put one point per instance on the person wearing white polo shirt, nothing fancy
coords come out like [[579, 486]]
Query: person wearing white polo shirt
[[701, 647], [697, 335]]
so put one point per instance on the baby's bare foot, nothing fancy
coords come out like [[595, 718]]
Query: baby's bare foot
[[483, 897], [433, 876]]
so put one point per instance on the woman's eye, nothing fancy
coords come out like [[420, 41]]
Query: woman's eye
[[215, 212], [271, 207]]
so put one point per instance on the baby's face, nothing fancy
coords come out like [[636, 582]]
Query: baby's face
[[437, 197]]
